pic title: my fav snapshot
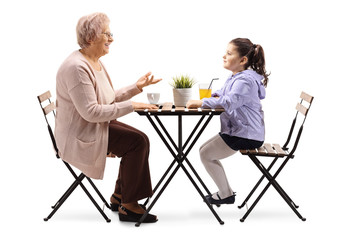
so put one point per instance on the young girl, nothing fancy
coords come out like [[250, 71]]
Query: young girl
[[242, 123]]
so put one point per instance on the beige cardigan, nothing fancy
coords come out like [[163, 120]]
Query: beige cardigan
[[82, 120]]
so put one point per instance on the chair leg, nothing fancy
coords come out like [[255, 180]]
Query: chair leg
[[277, 187], [65, 196], [93, 201], [98, 192], [86, 191], [254, 203], [77, 182], [257, 184]]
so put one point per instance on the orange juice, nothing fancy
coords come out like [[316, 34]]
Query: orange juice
[[204, 93]]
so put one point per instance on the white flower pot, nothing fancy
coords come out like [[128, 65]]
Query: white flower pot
[[181, 96]]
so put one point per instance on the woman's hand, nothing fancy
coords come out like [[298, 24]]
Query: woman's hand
[[194, 103], [137, 105], [146, 80]]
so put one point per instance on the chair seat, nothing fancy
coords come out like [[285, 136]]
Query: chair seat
[[267, 149]]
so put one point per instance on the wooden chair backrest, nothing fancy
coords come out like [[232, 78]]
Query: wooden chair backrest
[[49, 107], [300, 107]]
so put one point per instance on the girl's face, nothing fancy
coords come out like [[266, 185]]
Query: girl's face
[[232, 60]]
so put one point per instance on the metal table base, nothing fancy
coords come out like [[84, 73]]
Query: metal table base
[[181, 150]]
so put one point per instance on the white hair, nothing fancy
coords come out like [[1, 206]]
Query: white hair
[[90, 27]]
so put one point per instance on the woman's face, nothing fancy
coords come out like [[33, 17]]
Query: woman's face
[[101, 45], [232, 60]]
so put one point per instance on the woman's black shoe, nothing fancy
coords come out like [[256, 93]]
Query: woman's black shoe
[[115, 207], [135, 217], [228, 200]]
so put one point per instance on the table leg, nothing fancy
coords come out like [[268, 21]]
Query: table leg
[[186, 143], [182, 157], [179, 158], [184, 146]]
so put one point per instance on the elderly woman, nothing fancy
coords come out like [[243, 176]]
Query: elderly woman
[[86, 130]]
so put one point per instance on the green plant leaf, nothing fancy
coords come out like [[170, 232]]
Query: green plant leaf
[[183, 81]]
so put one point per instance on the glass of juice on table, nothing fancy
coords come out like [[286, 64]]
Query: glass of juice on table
[[204, 90]]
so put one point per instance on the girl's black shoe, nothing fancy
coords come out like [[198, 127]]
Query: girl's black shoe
[[228, 200]]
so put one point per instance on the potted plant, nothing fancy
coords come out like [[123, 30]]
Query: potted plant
[[182, 89]]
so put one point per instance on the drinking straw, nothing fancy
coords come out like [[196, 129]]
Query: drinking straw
[[212, 81]]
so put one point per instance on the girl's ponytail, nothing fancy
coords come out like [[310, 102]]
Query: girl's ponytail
[[258, 62]]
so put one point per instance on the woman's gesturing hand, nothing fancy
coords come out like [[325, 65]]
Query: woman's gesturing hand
[[146, 80]]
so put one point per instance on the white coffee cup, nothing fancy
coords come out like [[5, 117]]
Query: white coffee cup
[[153, 98]]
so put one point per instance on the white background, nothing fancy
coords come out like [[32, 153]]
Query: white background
[[310, 46]]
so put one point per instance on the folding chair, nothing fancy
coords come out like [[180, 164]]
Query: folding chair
[[78, 179], [276, 151]]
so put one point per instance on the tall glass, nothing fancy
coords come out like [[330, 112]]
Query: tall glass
[[204, 90]]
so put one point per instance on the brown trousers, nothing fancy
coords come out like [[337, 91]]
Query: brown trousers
[[133, 147]]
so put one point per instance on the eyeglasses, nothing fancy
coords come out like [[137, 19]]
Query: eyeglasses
[[108, 34]]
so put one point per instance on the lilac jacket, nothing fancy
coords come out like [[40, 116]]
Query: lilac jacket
[[240, 97]]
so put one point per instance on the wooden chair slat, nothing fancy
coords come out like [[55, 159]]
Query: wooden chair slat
[[244, 151], [279, 150], [261, 150], [50, 107], [301, 109], [46, 95], [253, 151], [206, 109], [306, 97], [269, 149], [266, 150]]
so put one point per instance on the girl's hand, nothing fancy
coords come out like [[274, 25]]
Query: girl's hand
[[146, 80], [194, 103]]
